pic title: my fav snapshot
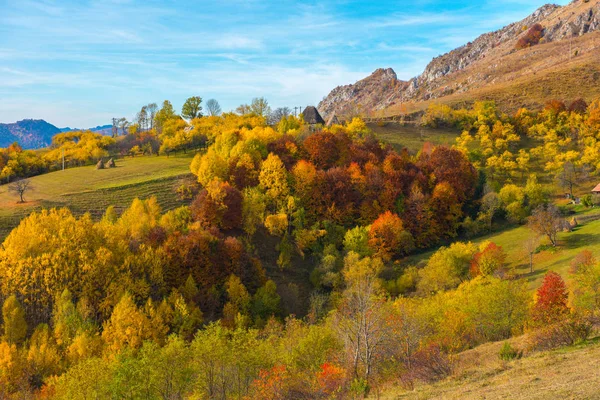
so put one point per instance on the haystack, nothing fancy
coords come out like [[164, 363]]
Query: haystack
[[110, 163], [100, 164]]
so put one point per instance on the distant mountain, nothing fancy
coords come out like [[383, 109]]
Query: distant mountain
[[37, 133], [563, 64], [103, 129], [30, 133]]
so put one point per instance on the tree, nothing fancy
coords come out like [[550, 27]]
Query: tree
[[127, 327], [530, 246], [546, 220], [152, 109], [213, 108], [362, 316], [387, 236], [569, 175], [191, 108], [123, 124], [13, 315], [278, 114], [273, 178], [489, 260], [260, 107], [447, 268], [20, 187], [551, 300]]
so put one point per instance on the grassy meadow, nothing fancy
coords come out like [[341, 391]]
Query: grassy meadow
[[412, 136], [85, 189]]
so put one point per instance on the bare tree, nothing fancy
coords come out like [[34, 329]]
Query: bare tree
[[123, 124], [152, 109], [530, 246], [569, 175], [260, 106], [546, 220], [213, 108], [278, 114], [20, 187], [362, 316], [142, 118]]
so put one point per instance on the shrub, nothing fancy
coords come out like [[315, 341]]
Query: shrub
[[565, 333], [431, 364], [507, 352], [531, 38]]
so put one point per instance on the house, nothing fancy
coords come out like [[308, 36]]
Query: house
[[312, 117], [596, 190]]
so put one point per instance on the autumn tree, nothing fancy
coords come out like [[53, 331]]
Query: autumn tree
[[490, 260], [551, 300], [13, 316], [546, 221], [273, 178], [191, 108], [127, 327], [387, 236]]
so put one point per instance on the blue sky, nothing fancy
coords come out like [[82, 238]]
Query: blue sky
[[79, 63]]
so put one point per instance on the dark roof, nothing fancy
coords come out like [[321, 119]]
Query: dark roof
[[312, 116], [333, 120]]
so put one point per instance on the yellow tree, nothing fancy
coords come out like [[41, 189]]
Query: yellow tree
[[15, 326], [127, 327], [273, 178]]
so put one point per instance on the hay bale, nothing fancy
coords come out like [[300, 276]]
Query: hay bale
[[100, 164], [573, 223], [110, 163]]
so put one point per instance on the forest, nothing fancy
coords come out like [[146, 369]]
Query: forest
[[192, 303]]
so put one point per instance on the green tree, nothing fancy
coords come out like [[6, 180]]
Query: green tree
[[191, 108]]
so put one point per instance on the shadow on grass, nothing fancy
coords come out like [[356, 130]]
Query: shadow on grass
[[578, 240]]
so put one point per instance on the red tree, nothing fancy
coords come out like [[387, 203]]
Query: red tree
[[551, 299]]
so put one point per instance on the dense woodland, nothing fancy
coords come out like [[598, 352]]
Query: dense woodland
[[185, 304]]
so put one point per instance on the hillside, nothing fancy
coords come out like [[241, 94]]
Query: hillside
[[492, 67], [569, 372], [85, 189]]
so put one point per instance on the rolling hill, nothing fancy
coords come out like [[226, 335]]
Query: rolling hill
[[563, 64]]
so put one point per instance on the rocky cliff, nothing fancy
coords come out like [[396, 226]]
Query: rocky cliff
[[473, 65]]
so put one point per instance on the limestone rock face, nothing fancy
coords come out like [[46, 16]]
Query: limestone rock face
[[382, 88]]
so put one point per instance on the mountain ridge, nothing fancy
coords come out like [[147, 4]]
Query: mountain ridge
[[37, 133], [377, 92]]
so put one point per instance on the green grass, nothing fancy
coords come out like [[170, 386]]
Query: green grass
[[86, 189], [412, 136], [584, 236]]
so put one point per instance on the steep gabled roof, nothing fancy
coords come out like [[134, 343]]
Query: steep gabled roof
[[596, 189], [312, 116], [333, 120]]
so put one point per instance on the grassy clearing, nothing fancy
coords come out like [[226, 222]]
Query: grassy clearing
[[413, 136], [86, 189], [570, 372], [584, 236]]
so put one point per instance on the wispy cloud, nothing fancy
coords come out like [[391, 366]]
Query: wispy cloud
[[75, 62]]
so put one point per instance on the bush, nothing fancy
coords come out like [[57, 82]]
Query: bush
[[507, 352], [531, 38], [565, 333]]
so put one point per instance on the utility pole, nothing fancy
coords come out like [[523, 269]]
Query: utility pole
[[295, 111]]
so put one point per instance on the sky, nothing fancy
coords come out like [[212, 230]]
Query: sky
[[80, 63]]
